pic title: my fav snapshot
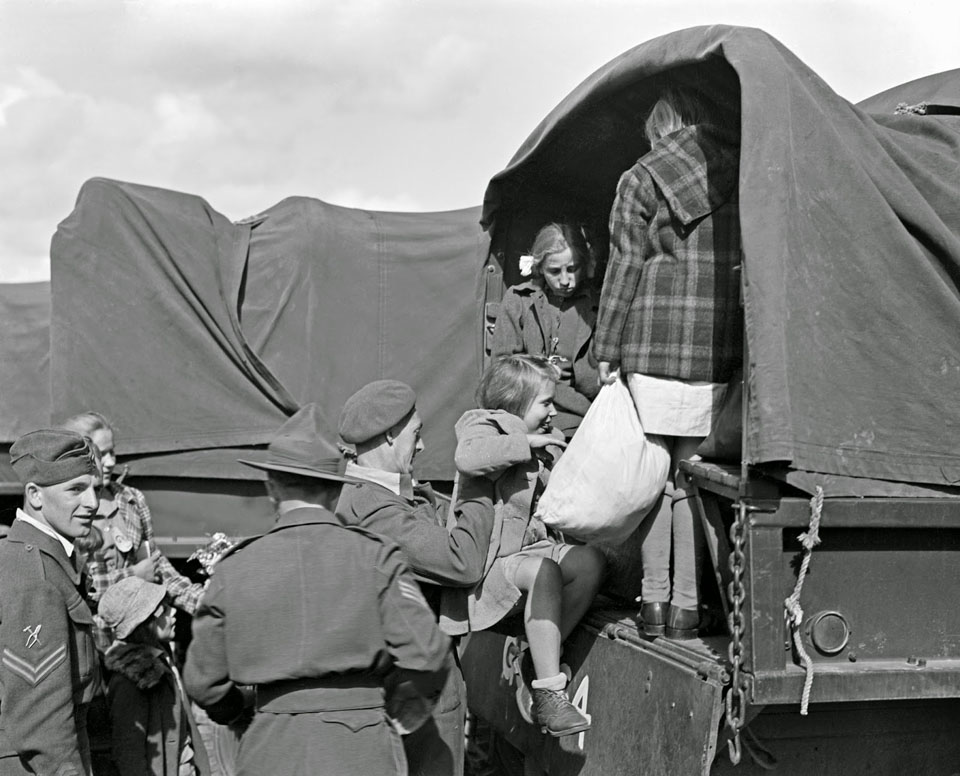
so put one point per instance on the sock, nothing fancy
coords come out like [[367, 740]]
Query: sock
[[557, 682]]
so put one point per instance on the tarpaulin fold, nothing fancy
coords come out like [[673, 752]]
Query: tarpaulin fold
[[192, 332], [337, 297], [24, 358], [851, 241], [145, 286]]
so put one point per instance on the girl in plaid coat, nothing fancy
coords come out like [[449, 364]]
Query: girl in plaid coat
[[669, 319]]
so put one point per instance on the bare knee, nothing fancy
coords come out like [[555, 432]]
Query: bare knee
[[583, 564], [540, 572]]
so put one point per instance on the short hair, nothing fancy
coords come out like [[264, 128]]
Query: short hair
[[285, 480], [557, 237], [87, 423], [512, 382], [678, 107]]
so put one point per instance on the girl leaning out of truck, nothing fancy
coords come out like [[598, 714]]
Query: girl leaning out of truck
[[553, 314], [510, 441]]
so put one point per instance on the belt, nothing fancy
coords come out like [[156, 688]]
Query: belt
[[298, 696]]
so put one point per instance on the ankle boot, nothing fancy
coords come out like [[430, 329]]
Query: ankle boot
[[652, 618], [682, 624], [556, 715]]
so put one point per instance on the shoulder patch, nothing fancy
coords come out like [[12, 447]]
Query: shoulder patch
[[411, 590], [34, 672]]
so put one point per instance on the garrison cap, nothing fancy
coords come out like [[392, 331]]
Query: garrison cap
[[375, 409], [53, 455], [128, 602]]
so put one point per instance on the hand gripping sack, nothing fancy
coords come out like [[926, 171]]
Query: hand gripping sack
[[610, 475]]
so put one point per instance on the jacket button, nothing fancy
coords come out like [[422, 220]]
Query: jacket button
[[29, 547]]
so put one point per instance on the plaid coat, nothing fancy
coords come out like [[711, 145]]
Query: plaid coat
[[670, 300]]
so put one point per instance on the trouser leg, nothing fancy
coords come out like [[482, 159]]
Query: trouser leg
[[436, 748]]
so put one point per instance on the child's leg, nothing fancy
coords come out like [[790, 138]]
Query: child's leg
[[688, 539], [582, 569], [654, 536], [547, 594], [542, 581]]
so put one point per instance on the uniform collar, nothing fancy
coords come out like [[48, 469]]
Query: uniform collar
[[398, 484], [44, 528], [27, 531], [304, 516]]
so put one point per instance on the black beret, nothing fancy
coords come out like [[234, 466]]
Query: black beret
[[375, 409], [53, 455]]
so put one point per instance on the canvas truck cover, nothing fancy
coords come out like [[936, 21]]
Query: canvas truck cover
[[197, 334], [24, 368], [25, 358], [851, 242]]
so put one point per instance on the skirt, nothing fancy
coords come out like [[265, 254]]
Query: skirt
[[675, 407]]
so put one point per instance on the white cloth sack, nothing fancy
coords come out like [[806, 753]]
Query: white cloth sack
[[610, 475]]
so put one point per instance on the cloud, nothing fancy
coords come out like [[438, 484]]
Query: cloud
[[377, 104], [184, 118], [356, 198]]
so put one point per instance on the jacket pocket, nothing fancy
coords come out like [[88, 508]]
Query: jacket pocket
[[355, 719]]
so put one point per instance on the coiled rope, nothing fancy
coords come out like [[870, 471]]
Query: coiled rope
[[793, 612]]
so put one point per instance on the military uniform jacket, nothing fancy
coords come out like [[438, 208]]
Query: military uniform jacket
[[311, 600], [437, 557], [48, 661]]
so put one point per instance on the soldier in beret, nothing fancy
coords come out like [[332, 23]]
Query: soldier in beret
[[48, 662], [324, 620], [381, 422]]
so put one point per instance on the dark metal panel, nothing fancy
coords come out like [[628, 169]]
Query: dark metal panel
[[653, 710], [868, 513], [766, 593], [852, 739], [868, 681]]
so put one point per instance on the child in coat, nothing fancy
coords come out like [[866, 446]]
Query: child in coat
[[670, 319], [511, 442], [153, 731], [553, 314]]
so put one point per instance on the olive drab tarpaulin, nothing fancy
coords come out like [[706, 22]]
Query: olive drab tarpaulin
[[24, 358], [851, 240], [193, 332]]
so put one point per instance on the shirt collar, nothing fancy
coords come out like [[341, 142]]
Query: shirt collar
[[398, 484], [44, 528]]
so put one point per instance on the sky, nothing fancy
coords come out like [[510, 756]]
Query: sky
[[409, 105]]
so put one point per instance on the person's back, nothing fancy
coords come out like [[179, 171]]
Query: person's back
[[333, 626], [313, 615]]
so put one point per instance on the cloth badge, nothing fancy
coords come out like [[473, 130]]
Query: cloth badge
[[34, 673], [412, 591], [123, 542]]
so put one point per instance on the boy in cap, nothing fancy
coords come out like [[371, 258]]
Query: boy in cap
[[382, 423], [152, 728], [48, 663], [322, 619]]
